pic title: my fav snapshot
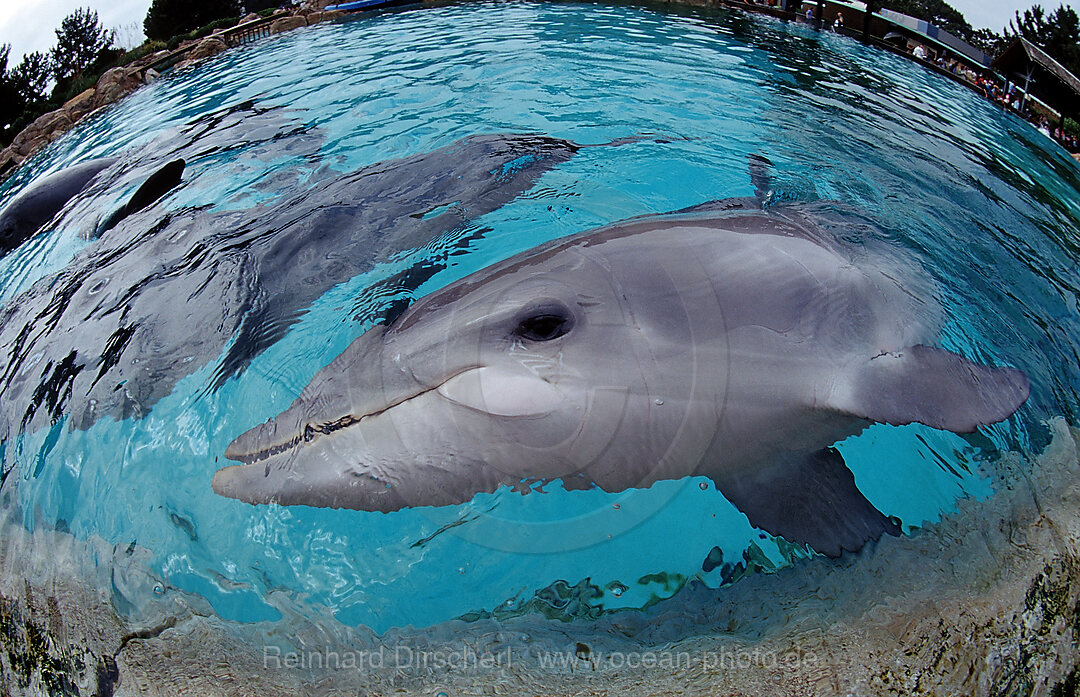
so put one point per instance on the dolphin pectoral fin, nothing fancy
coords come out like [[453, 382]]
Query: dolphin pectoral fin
[[502, 392], [933, 387], [808, 499], [156, 185]]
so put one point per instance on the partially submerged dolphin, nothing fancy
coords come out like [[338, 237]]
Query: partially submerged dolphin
[[163, 293], [43, 199], [724, 340], [39, 203]]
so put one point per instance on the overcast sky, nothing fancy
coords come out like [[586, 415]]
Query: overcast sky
[[995, 14], [29, 25]]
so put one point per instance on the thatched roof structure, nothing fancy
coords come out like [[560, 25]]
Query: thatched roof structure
[[1050, 81]]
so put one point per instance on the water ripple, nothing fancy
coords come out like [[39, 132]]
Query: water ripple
[[988, 205]]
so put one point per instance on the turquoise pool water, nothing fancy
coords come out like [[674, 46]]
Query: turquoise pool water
[[989, 207]]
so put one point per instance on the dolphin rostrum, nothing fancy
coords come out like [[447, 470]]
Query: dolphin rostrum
[[725, 341]]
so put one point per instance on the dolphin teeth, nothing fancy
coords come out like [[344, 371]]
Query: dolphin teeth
[[266, 453], [312, 431], [331, 426]]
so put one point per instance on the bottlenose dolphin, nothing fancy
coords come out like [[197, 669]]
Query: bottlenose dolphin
[[163, 293], [43, 199], [724, 340]]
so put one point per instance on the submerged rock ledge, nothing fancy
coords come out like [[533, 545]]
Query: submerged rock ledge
[[985, 602]]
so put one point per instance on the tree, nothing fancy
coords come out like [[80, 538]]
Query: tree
[[988, 41], [1058, 33], [260, 5], [79, 41], [22, 91], [937, 12], [1032, 26], [9, 98], [168, 18], [31, 78]]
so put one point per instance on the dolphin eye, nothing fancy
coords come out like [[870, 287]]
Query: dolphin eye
[[545, 324]]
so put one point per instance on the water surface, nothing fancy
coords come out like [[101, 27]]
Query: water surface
[[988, 206]]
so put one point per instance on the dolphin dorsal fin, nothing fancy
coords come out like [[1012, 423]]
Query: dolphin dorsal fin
[[760, 178], [156, 185], [930, 386]]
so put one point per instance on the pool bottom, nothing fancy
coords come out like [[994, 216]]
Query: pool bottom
[[987, 601]]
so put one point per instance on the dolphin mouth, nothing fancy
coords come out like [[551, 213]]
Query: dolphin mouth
[[312, 431], [264, 454]]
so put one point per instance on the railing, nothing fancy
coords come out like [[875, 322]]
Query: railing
[[243, 33], [234, 36]]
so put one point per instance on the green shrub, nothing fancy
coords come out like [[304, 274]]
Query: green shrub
[[166, 17], [141, 51], [78, 85], [226, 23], [208, 29]]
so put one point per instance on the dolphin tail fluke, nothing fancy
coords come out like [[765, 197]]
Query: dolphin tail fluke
[[809, 499], [934, 387]]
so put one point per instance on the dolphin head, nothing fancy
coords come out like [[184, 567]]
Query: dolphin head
[[43, 199], [521, 372]]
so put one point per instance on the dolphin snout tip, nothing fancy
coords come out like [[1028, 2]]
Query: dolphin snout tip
[[234, 451], [226, 480], [247, 483]]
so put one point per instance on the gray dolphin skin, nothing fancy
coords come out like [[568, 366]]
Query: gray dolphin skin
[[161, 294], [43, 199], [724, 341]]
